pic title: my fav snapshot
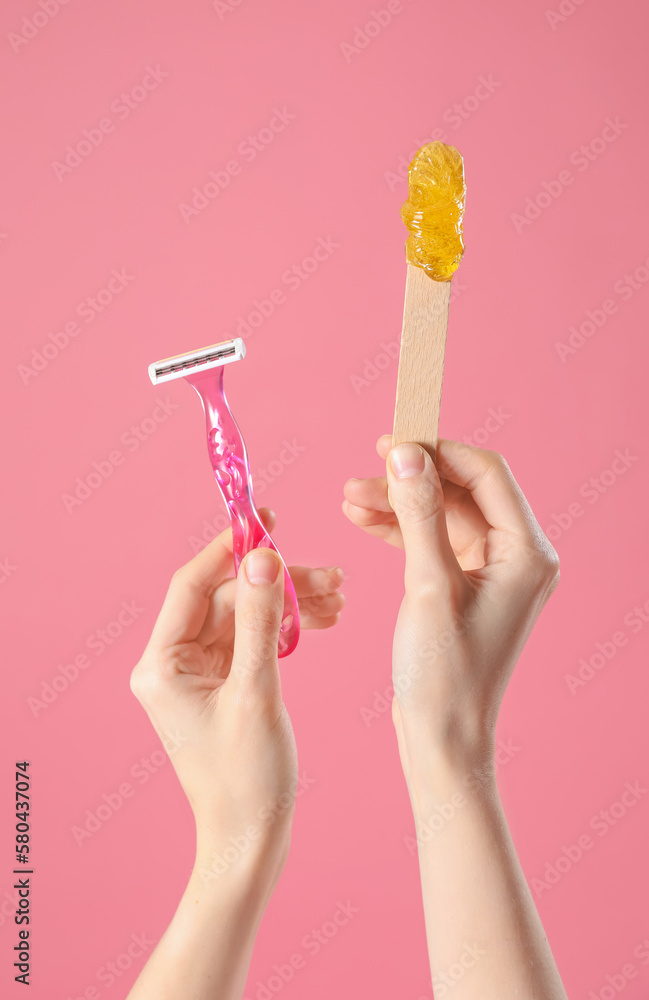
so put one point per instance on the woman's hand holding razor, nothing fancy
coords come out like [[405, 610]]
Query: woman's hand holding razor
[[210, 683]]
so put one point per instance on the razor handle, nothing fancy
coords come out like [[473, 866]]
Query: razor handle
[[229, 460]]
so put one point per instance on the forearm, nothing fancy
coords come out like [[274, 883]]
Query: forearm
[[485, 937], [205, 952]]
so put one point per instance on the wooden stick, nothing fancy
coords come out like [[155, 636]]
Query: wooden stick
[[421, 360]]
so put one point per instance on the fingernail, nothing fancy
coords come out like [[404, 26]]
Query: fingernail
[[262, 566], [407, 460]]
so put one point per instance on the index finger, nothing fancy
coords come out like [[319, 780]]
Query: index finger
[[489, 480]]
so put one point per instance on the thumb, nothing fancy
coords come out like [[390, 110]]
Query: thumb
[[416, 496], [258, 609]]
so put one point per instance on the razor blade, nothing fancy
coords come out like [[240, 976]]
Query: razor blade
[[193, 362]]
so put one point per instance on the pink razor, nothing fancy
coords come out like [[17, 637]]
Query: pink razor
[[229, 460]]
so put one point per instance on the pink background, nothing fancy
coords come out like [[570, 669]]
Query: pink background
[[329, 173]]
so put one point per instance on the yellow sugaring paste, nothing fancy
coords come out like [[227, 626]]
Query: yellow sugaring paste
[[434, 209]]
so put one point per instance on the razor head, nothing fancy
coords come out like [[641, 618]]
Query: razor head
[[197, 361]]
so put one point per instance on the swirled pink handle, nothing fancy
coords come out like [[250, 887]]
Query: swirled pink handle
[[229, 460]]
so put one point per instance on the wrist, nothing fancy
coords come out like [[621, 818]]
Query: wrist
[[248, 863], [446, 769]]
